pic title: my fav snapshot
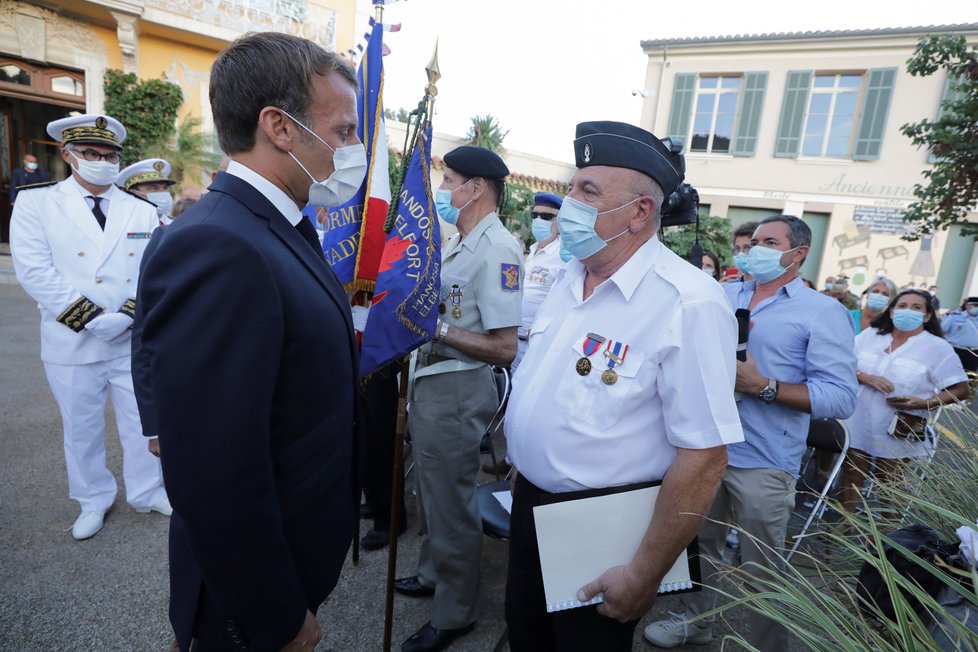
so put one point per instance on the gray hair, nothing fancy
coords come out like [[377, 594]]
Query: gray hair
[[641, 185], [799, 235], [266, 69]]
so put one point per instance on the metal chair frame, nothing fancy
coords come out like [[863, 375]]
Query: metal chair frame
[[503, 386]]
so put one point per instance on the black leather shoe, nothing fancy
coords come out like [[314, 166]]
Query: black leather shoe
[[410, 586], [429, 639], [376, 539]]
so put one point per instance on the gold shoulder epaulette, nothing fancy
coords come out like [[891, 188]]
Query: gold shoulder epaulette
[[31, 186]]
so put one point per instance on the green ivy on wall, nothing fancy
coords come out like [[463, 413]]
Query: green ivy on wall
[[148, 110]]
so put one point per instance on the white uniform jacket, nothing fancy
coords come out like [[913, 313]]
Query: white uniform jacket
[[61, 257]]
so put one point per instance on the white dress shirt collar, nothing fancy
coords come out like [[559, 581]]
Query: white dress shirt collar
[[269, 190], [71, 182], [628, 276]]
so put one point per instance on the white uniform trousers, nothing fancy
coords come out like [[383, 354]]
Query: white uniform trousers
[[81, 391]]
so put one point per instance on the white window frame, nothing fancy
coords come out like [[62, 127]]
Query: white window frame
[[835, 91], [718, 91]]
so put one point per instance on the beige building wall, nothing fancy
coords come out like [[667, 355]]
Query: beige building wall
[[857, 202]]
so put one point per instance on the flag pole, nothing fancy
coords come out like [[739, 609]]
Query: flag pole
[[434, 74]]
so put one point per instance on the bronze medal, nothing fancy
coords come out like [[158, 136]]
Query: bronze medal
[[456, 312], [609, 377], [583, 366]]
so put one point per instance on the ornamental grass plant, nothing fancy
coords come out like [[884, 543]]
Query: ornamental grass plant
[[815, 595]]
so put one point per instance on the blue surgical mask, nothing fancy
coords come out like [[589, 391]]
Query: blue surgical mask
[[564, 254], [906, 319], [764, 263], [877, 301], [973, 311], [540, 228], [576, 221], [740, 262], [443, 204], [829, 286], [707, 270]]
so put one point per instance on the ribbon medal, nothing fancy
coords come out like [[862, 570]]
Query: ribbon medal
[[615, 353], [591, 345], [456, 296], [443, 297]]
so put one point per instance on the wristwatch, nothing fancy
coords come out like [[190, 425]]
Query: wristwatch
[[769, 393], [441, 331]]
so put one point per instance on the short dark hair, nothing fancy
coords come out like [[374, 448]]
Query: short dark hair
[[883, 323], [747, 228], [266, 69], [716, 264], [799, 234]]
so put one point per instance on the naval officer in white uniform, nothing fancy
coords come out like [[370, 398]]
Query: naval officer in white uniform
[[76, 248]]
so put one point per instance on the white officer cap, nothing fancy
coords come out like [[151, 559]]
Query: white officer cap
[[89, 128], [145, 171]]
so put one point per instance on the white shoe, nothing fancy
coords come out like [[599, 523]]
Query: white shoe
[[163, 507], [87, 525], [679, 631]]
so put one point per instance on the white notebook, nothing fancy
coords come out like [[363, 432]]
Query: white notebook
[[580, 539]]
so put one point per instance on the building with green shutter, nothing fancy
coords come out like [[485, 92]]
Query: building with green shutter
[[808, 124]]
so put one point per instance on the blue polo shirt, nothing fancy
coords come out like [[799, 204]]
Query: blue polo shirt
[[798, 336], [960, 329]]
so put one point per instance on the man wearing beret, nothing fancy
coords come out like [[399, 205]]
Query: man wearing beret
[[454, 391], [628, 378], [150, 179], [76, 247]]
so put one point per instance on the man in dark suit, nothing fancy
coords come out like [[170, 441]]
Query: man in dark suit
[[26, 175], [251, 363]]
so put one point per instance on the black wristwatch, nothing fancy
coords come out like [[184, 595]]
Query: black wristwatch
[[769, 393]]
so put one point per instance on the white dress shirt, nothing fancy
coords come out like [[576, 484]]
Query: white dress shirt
[[541, 265], [567, 432], [269, 190]]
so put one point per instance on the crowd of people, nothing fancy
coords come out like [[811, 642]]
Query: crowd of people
[[228, 348]]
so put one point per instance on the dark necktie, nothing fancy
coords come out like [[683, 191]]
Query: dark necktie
[[308, 231], [97, 211]]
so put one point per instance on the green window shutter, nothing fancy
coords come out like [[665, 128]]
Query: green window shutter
[[749, 121], [793, 113], [682, 105], [879, 91], [951, 94]]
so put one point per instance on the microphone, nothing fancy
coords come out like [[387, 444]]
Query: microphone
[[743, 332]]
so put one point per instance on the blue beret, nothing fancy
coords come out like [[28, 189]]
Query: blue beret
[[547, 199], [476, 162], [621, 145]]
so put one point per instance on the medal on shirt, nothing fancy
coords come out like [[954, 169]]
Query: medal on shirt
[[456, 297], [591, 346], [615, 353]]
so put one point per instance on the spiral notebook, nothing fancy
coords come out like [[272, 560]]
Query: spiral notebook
[[580, 539]]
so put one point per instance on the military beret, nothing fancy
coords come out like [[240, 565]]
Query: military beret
[[476, 162], [971, 300], [547, 199], [621, 145], [89, 128]]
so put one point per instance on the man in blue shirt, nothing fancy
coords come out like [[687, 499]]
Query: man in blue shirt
[[961, 331], [800, 365]]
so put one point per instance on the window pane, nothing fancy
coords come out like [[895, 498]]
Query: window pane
[[824, 81], [708, 82], [812, 146], [850, 81], [704, 103], [838, 147], [820, 103], [728, 103], [15, 75], [724, 126], [721, 144], [701, 124], [698, 142], [67, 85], [845, 104], [730, 82]]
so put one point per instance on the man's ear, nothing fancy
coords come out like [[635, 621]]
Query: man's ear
[[644, 214], [274, 127]]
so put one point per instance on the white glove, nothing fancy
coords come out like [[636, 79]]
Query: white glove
[[109, 326]]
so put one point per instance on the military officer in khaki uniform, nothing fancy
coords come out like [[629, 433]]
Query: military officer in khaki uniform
[[76, 247], [150, 179], [454, 391]]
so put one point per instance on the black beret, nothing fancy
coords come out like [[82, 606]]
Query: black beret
[[476, 162], [621, 145], [547, 199], [971, 300]]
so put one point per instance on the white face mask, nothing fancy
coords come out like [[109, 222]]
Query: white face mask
[[97, 173], [349, 171], [163, 201], [31, 167]]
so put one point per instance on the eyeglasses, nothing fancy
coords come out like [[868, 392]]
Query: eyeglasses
[[741, 249], [543, 216], [93, 155]]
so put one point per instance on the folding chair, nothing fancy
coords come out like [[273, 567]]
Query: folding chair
[[832, 436], [501, 376]]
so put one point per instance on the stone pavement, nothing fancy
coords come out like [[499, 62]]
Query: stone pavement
[[109, 593]]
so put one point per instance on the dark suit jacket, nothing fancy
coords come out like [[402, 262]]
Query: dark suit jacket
[[21, 177], [252, 370]]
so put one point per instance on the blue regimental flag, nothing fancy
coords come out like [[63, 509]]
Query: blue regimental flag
[[353, 234], [405, 302]]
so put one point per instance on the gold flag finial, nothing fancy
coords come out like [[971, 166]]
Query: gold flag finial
[[434, 74]]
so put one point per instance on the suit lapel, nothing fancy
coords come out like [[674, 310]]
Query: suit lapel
[[120, 210], [77, 213], [290, 237]]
